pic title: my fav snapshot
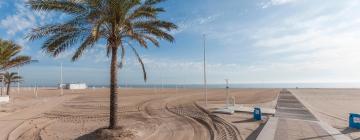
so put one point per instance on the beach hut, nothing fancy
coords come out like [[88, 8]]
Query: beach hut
[[76, 86]]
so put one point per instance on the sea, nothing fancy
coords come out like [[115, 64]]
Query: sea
[[232, 85]]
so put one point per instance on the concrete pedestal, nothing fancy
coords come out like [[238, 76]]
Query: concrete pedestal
[[4, 99]]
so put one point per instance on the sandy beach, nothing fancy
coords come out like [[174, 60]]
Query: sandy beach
[[332, 106], [151, 114]]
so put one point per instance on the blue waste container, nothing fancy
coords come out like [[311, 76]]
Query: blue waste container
[[257, 114], [354, 120]]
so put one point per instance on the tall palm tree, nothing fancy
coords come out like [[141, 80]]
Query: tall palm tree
[[118, 22], [9, 78]]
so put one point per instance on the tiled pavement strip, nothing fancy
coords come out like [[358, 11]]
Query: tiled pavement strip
[[293, 121]]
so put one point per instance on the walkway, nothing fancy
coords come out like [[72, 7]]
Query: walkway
[[293, 121]]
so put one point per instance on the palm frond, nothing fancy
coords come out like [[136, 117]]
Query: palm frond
[[11, 77], [88, 43], [145, 11], [60, 42], [122, 59], [141, 63], [69, 7], [152, 2], [9, 57]]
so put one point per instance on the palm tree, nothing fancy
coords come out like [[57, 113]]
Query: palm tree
[[9, 78], [9, 57], [117, 22]]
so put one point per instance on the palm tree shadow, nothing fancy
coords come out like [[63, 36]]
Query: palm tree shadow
[[350, 130], [90, 136], [256, 133], [245, 121]]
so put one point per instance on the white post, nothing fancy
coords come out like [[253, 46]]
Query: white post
[[36, 91], [234, 102], [61, 80], [205, 84], [227, 92]]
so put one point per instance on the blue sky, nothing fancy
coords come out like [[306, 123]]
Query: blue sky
[[248, 41]]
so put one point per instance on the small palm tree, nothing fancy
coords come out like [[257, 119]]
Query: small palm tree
[[9, 57], [118, 22], [9, 78]]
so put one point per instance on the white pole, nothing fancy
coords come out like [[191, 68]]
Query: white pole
[[36, 91], [205, 84], [18, 83], [162, 83], [61, 80], [227, 92], [234, 102]]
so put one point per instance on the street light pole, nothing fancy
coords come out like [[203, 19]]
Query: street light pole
[[227, 92], [205, 82]]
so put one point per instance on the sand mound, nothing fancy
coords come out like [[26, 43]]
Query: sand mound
[[120, 133]]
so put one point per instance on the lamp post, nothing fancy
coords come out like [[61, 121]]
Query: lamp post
[[205, 82], [227, 92]]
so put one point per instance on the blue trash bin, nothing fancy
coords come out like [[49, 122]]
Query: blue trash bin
[[257, 114], [354, 120]]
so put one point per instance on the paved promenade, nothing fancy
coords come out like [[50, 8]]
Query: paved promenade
[[293, 121]]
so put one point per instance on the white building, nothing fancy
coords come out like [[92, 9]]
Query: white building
[[76, 86]]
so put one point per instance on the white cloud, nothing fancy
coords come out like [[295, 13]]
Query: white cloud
[[193, 24], [278, 2], [18, 24], [275, 3], [23, 19], [319, 43]]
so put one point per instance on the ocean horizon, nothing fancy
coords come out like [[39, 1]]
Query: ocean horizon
[[235, 85]]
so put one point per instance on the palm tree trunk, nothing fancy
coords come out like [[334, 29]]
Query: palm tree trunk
[[113, 88], [8, 89], [2, 84]]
